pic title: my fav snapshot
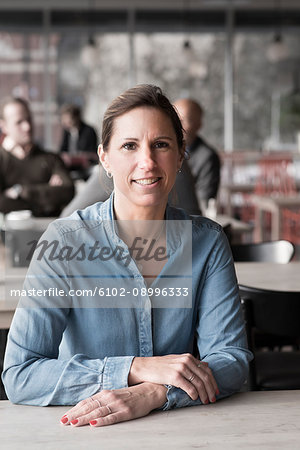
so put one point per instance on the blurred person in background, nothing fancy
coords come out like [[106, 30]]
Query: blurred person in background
[[79, 142], [77, 135], [203, 159], [30, 177]]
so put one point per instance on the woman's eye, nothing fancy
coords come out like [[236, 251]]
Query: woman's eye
[[129, 146], [161, 144]]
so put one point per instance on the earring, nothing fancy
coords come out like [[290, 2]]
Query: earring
[[108, 174], [179, 171]]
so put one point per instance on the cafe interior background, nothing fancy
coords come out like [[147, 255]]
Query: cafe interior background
[[239, 58]]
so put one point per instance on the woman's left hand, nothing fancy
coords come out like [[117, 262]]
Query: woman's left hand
[[109, 407]]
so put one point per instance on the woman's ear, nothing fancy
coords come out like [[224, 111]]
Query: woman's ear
[[181, 156], [100, 150], [102, 157]]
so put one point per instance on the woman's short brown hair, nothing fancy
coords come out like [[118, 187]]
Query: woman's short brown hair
[[138, 96]]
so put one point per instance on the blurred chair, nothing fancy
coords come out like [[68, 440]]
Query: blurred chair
[[276, 251], [272, 313], [291, 225], [275, 177]]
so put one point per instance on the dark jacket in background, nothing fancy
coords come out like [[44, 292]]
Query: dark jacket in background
[[205, 166], [87, 139], [33, 174]]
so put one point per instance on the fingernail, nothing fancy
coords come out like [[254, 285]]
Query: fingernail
[[74, 421], [206, 401], [64, 419], [93, 422], [217, 392], [213, 399]]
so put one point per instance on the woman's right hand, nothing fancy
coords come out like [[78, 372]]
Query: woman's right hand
[[112, 406], [183, 371]]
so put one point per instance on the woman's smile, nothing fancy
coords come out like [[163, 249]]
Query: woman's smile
[[147, 181]]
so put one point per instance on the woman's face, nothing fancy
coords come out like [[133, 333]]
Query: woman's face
[[143, 157]]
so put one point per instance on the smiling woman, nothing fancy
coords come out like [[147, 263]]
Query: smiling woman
[[142, 134], [144, 164], [128, 350]]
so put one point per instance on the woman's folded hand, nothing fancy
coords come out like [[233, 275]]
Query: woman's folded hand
[[109, 407], [183, 371]]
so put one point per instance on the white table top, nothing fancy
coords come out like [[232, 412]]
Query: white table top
[[260, 420], [280, 277]]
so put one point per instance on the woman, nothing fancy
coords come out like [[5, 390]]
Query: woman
[[157, 281]]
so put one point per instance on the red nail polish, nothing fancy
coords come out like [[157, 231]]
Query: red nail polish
[[213, 399], [93, 422], [217, 392], [73, 422], [64, 419], [206, 401]]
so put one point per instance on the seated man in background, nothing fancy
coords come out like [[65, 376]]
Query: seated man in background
[[30, 178], [203, 159], [77, 136], [79, 142]]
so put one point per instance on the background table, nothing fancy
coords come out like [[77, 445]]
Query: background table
[[280, 277], [247, 420]]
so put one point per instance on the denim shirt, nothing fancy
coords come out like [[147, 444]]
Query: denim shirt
[[66, 345]]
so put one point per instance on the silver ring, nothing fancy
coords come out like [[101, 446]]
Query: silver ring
[[97, 401], [192, 377], [108, 409]]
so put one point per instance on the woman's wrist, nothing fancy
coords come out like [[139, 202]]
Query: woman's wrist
[[157, 394], [161, 395]]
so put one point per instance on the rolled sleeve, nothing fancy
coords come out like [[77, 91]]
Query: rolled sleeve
[[116, 371]]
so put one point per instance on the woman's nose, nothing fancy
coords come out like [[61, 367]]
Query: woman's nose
[[146, 158]]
